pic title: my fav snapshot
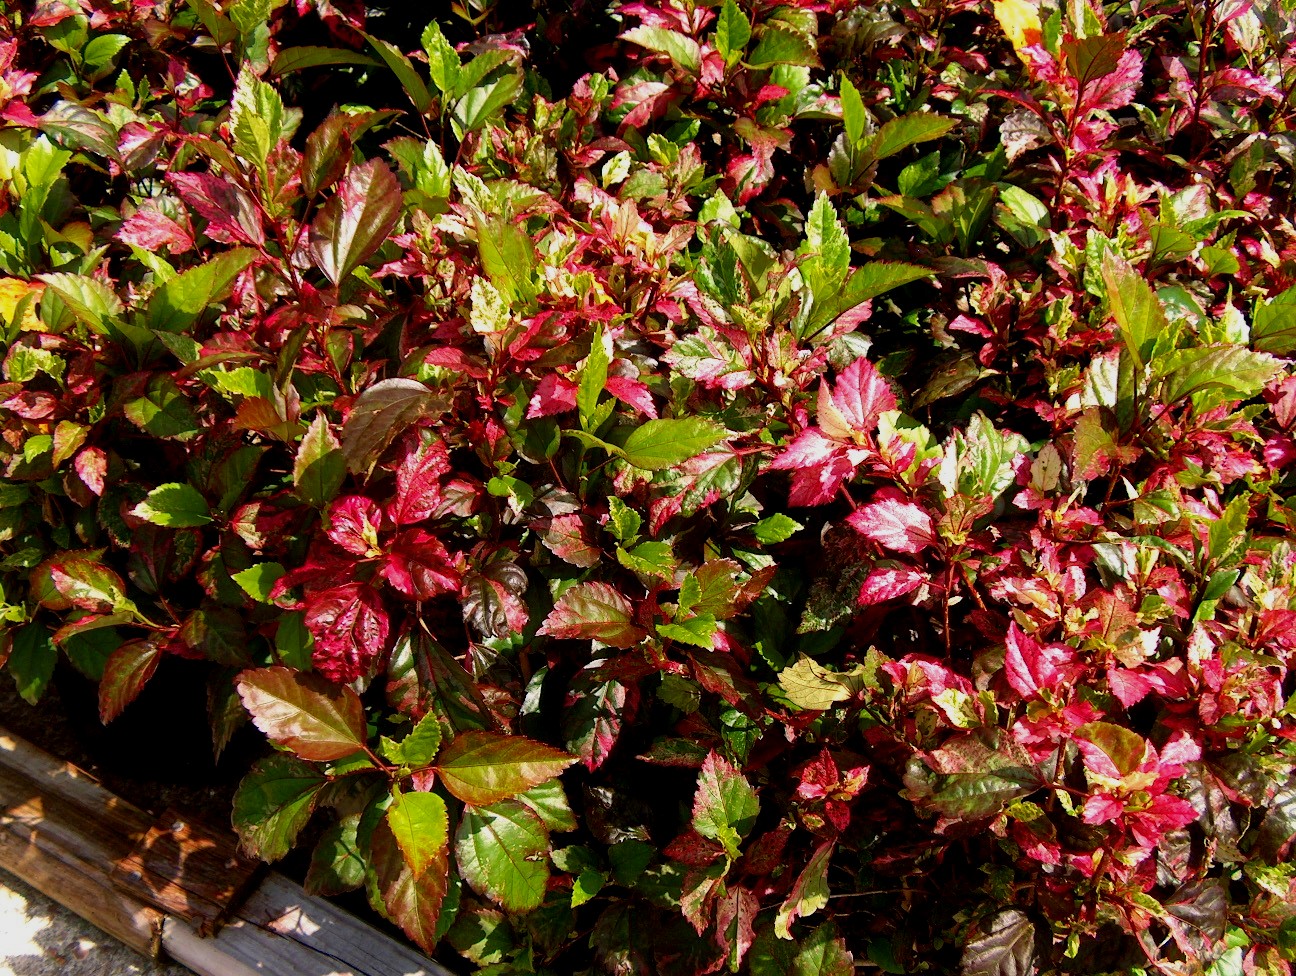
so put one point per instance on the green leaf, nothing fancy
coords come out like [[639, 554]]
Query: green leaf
[[900, 133], [163, 412], [593, 611], [1134, 306], [404, 71], [502, 852], [854, 115], [421, 827], [31, 661], [174, 506], [733, 31], [508, 255], [102, 49], [725, 805], [826, 249], [78, 579], [659, 444], [443, 60], [82, 128], [304, 713], [775, 529], [300, 58], [1223, 372], [412, 900], [126, 672], [683, 51], [549, 800], [593, 377], [1123, 747], [698, 631], [273, 803], [972, 777], [319, 467], [1273, 324], [780, 46], [178, 303], [89, 299], [483, 101], [418, 748], [337, 866], [483, 767], [258, 580], [354, 223], [258, 119]]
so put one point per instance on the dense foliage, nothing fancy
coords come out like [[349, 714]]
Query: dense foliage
[[776, 487]]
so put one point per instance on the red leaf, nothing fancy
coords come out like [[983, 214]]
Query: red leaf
[[593, 716], [1117, 88], [632, 392], [888, 583], [894, 523], [594, 611], [419, 566], [412, 900], [418, 482], [569, 538], [735, 923], [353, 525], [554, 394], [350, 628]]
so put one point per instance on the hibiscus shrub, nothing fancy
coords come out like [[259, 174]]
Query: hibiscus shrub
[[689, 486]]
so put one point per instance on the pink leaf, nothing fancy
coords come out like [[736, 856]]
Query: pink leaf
[[1033, 667], [153, 230], [854, 405], [231, 215], [594, 611], [1102, 808], [632, 392], [350, 627], [555, 394], [1116, 89], [92, 467], [898, 525], [568, 537], [887, 583]]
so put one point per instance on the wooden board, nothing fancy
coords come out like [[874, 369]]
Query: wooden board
[[65, 835], [188, 869], [62, 833]]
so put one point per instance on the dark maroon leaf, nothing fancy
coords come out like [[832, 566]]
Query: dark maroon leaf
[[126, 672], [354, 224], [1005, 947], [380, 414]]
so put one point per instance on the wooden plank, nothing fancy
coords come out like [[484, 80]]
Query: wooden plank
[[188, 869], [283, 930], [64, 834]]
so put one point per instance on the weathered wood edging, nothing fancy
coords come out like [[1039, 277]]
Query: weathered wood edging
[[163, 887]]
